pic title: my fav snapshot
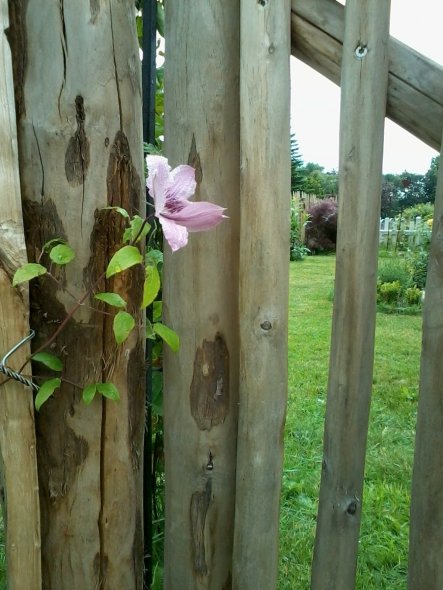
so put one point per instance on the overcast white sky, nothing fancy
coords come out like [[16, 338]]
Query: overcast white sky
[[315, 102]]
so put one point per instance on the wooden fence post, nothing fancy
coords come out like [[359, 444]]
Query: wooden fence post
[[19, 485], [263, 291], [426, 534], [78, 96], [363, 103], [200, 297]]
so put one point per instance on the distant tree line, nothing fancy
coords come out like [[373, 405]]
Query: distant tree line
[[399, 191], [311, 178]]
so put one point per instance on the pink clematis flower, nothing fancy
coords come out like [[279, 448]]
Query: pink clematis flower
[[171, 190]]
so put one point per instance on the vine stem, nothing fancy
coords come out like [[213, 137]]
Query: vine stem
[[65, 321], [79, 303]]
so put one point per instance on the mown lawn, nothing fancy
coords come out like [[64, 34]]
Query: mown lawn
[[384, 534]]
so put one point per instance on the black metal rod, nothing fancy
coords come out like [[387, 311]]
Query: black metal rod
[[149, 86]]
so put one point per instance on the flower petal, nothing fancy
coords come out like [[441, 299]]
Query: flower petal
[[183, 182], [176, 235], [199, 216], [158, 182], [152, 163]]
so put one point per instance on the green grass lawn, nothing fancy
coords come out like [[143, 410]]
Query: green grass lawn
[[384, 533]]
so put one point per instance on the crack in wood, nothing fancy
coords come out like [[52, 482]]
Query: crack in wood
[[117, 85]]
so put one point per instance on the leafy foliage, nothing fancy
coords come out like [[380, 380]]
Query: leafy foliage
[[123, 325], [124, 258], [27, 272], [296, 165], [298, 220], [406, 190], [49, 360], [318, 182], [401, 281], [46, 390]]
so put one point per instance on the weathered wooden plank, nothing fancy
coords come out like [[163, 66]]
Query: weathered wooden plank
[[364, 74], [79, 123], [200, 297], [19, 485], [415, 87], [263, 291], [426, 533]]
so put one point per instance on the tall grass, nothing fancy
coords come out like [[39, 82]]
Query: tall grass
[[384, 533]]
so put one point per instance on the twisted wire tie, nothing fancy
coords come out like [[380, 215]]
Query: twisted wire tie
[[13, 374]]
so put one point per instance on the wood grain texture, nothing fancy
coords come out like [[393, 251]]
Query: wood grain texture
[[426, 532], [18, 460], [78, 91], [415, 83], [263, 290], [200, 297], [363, 101]]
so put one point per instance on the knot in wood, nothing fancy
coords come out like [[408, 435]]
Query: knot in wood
[[352, 507], [266, 325]]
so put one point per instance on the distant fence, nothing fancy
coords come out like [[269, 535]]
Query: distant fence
[[412, 231], [305, 200], [393, 231]]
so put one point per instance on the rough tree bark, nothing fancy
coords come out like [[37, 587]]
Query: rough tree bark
[[19, 486], [78, 100], [200, 297]]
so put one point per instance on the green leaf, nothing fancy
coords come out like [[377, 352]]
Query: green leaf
[[127, 235], [120, 210], [157, 310], [50, 244], [151, 286], [62, 254], [123, 324], [49, 360], [169, 336], [111, 299], [136, 228], [46, 390], [89, 393], [27, 272], [124, 258], [108, 390], [154, 257], [150, 334]]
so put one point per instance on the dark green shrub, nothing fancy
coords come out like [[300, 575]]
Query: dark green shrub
[[321, 228]]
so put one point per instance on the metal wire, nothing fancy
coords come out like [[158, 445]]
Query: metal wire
[[13, 374]]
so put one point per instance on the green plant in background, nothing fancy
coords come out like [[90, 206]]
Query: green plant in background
[[417, 263], [390, 292], [298, 221], [413, 295], [401, 281], [394, 269]]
